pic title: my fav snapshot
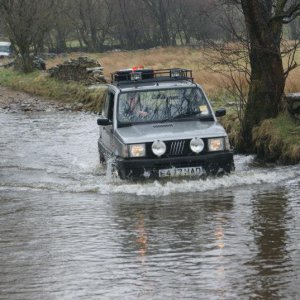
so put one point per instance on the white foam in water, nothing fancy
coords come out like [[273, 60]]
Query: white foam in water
[[110, 172], [107, 183], [243, 176]]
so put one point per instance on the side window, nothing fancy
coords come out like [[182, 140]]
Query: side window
[[108, 106]]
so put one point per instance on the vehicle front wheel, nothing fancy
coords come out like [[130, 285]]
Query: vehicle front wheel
[[102, 159], [122, 174]]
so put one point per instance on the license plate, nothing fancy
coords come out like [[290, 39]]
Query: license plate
[[176, 172]]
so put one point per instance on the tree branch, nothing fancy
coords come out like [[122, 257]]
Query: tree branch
[[288, 15]]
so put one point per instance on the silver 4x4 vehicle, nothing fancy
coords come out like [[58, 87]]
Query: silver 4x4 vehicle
[[159, 123]]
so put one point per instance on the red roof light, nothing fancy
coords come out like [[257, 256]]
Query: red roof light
[[136, 68]]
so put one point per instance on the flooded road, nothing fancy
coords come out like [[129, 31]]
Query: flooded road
[[68, 231]]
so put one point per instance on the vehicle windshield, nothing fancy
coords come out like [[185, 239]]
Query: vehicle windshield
[[162, 105], [4, 48]]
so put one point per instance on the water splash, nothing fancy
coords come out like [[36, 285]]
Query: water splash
[[106, 182], [177, 186], [111, 171], [47, 153]]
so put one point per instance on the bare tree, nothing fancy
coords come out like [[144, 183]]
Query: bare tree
[[253, 64], [99, 24], [2, 28], [134, 28], [93, 20], [62, 26], [264, 22], [160, 11], [204, 20], [26, 23], [228, 54]]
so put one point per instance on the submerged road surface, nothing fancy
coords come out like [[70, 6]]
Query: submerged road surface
[[68, 231]]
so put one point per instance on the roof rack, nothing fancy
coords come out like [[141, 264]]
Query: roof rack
[[140, 75]]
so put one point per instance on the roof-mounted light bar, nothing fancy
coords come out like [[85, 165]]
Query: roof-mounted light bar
[[138, 73], [175, 73], [135, 76]]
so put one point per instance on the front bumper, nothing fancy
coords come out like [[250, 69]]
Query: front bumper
[[212, 164]]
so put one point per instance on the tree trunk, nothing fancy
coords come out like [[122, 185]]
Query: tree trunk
[[163, 24], [27, 64], [267, 74], [61, 45], [159, 10]]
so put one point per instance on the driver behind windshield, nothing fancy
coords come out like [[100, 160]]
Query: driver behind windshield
[[132, 109], [160, 105]]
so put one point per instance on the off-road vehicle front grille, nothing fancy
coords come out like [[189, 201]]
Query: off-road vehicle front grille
[[175, 148]]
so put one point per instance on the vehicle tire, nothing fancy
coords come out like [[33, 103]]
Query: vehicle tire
[[122, 174], [102, 159], [229, 168]]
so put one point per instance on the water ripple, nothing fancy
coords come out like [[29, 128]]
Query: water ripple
[[68, 231]]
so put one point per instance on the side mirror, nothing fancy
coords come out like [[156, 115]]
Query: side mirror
[[220, 112], [103, 122]]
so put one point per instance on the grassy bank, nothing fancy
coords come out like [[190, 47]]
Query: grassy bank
[[275, 140], [39, 83], [278, 140]]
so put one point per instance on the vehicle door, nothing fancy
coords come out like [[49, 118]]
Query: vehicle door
[[106, 132]]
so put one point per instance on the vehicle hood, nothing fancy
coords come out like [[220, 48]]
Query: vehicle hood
[[169, 131]]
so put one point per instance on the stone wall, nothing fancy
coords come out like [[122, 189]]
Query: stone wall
[[82, 69]]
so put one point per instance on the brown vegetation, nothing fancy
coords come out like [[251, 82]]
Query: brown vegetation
[[186, 57], [277, 140]]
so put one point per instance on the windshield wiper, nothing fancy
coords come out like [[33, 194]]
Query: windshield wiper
[[125, 124], [186, 115], [180, 116]]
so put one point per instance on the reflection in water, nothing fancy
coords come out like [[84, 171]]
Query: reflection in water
[[219, 234], [179, 241], [142, 238], [272, 262], [182, 218]]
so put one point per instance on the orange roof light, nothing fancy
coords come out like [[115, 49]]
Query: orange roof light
[[136, 68]]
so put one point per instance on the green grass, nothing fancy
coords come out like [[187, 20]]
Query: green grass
[[278, 139], [41, 84], [288, 129]]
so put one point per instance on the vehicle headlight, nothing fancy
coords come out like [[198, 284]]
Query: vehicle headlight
[[216, 144], [159, 148], [197, 145], [137, 150]]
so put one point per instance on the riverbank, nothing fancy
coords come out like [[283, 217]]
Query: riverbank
[[37, 91], [275, 140], [15, 101]]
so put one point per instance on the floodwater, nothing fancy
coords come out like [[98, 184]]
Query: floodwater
[[69, 231]]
